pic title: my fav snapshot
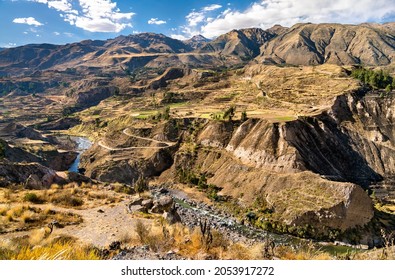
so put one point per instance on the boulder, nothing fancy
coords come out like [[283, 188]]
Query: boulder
[[137, 208], [163, 204]]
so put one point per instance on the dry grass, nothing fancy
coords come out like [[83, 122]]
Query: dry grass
[[73, 195], [308, 252], [190, 243], [38, 247], [16, 217]]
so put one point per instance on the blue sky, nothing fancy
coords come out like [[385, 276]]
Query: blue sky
[[64, 21]]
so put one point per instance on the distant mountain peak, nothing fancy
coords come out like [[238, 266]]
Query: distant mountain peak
[[197, 41], [199, 38]]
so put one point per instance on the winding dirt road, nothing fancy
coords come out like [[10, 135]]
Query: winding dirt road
[[126, 131]]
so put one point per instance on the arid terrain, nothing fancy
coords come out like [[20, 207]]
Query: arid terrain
[[259, 144]]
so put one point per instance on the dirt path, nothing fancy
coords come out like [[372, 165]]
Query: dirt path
[[127, 133], [101, 225], [169, 144]]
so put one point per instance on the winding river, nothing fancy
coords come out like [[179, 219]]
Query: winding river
[[82, 145]]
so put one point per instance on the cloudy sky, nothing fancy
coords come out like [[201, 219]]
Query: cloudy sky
[[63, 21]]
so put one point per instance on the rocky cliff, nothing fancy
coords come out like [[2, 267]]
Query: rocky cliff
[[309, 170]]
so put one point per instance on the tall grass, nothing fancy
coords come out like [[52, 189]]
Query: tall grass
[[58, 250]]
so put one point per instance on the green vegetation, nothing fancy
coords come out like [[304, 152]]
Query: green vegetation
[[187, 176], [375, 79], [33, 198], [141, 185]]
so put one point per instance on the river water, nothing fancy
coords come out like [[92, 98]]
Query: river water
[[82, 145]]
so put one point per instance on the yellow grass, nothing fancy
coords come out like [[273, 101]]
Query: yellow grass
[[54, 251]]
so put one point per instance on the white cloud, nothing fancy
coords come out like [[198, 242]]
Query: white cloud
[[56, 33], [212, 7], [91, 15], [288, 12], [156, 21], [195, 19], [178, 37], [28, 21]]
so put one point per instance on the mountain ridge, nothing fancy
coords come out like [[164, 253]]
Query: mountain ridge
[[301, 44]]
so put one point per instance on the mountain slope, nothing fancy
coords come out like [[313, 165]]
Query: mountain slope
[[312, 44], [45, 56], [150, 43], [244, 43]]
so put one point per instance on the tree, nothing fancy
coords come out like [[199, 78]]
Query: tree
[[230, 113], [166, 113], [244, 116], [141, 185]]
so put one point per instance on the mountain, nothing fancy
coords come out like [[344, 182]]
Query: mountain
[[244, 43], [312, 44], [149, 42], [302, 44], [45, 56], [197, 41]]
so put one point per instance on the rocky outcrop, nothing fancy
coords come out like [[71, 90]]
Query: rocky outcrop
[[32, 175], [17, 130], [91, 92], [60, 124], [354, 210], [162, 205], [54, 159], [170, 74]]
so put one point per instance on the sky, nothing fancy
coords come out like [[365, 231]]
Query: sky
[[65, 21]]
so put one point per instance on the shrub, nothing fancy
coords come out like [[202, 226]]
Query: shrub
[[67, 199], [33, 198], [142, 231]]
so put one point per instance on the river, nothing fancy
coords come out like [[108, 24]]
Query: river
[[82, 145]]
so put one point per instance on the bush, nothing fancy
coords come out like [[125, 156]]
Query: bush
[[68, 200], [33, 198], [124, 189], [244, 116]]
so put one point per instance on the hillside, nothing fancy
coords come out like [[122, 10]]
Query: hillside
[[243, 43], [284, 135], [312, 44]]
